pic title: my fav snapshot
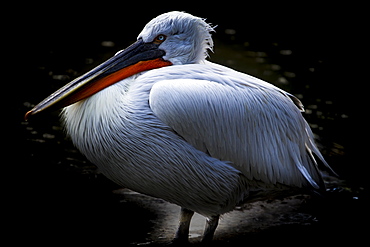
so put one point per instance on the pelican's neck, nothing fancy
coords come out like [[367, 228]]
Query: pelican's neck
[[104, 108]]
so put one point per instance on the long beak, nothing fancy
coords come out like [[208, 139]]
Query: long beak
[[136, 58]]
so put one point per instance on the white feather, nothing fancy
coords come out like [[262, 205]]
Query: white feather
[[247, 122], [196, 134], [132, 147]]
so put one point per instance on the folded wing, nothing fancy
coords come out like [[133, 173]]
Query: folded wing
[[255, 126]]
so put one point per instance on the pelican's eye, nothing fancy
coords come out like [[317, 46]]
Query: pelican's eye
[[159, 39]]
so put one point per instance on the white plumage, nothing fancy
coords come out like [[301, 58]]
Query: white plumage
[[196, 134]]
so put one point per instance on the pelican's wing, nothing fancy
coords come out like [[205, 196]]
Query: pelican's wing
[[241, 119]]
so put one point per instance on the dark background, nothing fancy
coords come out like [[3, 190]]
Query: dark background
[[52, 185]]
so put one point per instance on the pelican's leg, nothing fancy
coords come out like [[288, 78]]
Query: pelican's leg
[[182, 234], [211, 225]]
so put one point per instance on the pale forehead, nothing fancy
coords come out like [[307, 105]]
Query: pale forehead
[[169, 24]]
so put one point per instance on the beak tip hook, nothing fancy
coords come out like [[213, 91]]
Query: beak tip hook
[[27, 115]]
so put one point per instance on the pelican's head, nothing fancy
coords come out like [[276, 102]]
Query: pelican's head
[[184, 37], [170, 38]]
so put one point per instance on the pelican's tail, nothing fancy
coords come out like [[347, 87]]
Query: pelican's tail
[[315, 177]]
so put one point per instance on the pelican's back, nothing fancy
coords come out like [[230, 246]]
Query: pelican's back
[[238, 118]]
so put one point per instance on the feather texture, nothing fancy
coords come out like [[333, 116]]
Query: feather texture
[[116, 130], [196, 134], [254, 125]]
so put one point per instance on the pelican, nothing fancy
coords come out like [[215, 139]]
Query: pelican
[[160, 119]]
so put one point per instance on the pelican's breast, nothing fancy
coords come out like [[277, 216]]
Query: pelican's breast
[[117, 131]]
